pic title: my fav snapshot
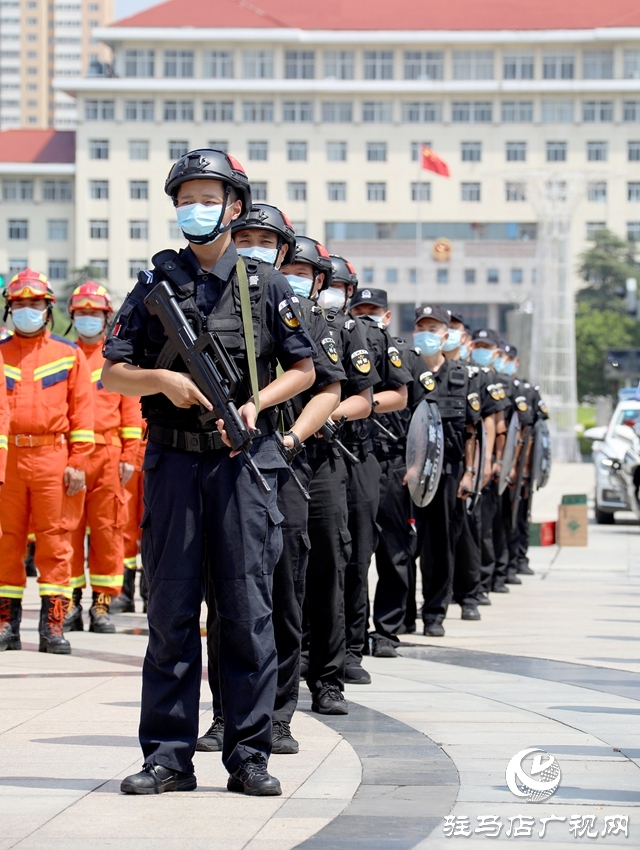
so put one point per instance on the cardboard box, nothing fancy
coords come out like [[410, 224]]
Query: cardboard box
[[572, 525], [542, 533]]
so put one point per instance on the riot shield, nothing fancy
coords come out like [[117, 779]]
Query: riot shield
[[425, 453], [509, 454], [541, 462], [478, 467]]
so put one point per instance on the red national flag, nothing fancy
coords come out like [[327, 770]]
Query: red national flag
[[432, 162]]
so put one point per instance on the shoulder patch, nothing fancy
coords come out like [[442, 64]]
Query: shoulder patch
[[394, 356], [496, 391], [287, 314], [428, 381], [63, 339], [350, 324], [145, 276], [521, 403], [329, 345], [473, 371], [542, 406], [474, 401], [361, 361]]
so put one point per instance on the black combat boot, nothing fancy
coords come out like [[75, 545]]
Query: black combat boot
[[211, 741], [99, 620], [51, 623], [253, 778], [29, 561], [73, 620], [10, 617], [123, 603]]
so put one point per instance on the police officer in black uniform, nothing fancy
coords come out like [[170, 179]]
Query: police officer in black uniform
[[450, 384], [329, 536], [205, 515], [265, 235]]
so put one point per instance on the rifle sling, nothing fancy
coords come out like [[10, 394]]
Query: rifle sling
[[247, 324]]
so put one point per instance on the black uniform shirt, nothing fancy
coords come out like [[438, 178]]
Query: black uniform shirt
[[398, 421], [346, 337]]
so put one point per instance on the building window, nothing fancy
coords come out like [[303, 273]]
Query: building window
[[217, 110], [421, 191], [299, 64], [16, 266], [633, 230], [597, 151], [135, 267], [217, 64], [423, 64], [556, 151], [58, 269], [258, 151], [464, 111], [493, 276], [515, 192], [391, 275], [594, 227], [469, 275], [416, 150], [99, 110], [633, 151], [517, 276], [138, 149], [139, 110], [461, 112], [557, 111], [633, 191], [517, 111], [178, 148], [339, 64], [442, 275], [470, 191], [297, 191], [337, 191], [473, 64], [58, 230], [422, 112], [378, 64], [98, 149], [412, 276], [516, 151], [217, 145], [376, 191], [178, 63], [516, 66], [101, 268], [259, 191], [597, 64], [631, 68], [178, 110], [174, 230], [471, 151], [17, 190], [99, 190], [297, 111], [631, 110], [558, 66], [57, 190], [337, 112], [597, 110], [139, 190], [297, 151], [377, 111], [299, 227], [597, 191], [376, 151], [98, 229], [138, 229], [257, 64], [139, 63], [18, 228], [367, 275], [336, 151]]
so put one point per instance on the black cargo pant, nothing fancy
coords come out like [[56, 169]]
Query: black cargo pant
[[494, 549], [467, 573], [363, 497], [519, 538], [395, 550], [205, 517], [330, 541], [288, 595]]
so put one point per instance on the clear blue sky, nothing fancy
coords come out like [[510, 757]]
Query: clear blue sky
[[124, 8]]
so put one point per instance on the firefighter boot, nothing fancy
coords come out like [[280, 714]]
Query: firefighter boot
[[73, 620], [51, 623], [10, 617], [99, 620]]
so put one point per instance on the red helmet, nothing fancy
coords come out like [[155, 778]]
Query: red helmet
[[90, 296], [29, 284]]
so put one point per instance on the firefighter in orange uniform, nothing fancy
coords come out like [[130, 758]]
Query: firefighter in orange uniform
[[132, 533], [50, 439], [118, 429]]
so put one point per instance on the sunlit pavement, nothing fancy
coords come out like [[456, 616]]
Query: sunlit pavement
[[554, 664]]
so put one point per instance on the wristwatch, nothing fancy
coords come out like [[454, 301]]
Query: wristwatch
[[469, 469]]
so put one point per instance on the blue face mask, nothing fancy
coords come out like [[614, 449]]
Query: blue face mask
[[89, 326], [428, 342], [28, 320], [201, 222], [464, 352], [262, 255], [481, 356], [510, 368], [454, 340], [300, 285], [498, 364]]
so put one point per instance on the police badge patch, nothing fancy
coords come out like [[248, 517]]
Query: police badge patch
[[542, 406], [496, 392], [428, 381], [288, 316], [474, 401], [394, 357], [521, 403], [361, 361], [330, 348]]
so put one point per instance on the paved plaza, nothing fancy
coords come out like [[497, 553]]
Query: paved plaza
[[555, 664]]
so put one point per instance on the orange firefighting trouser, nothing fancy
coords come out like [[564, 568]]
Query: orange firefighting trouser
[[34, 496], [105, 516], [132, 531]]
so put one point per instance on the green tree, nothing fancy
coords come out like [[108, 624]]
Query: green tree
[[605, 268], [596, 332]]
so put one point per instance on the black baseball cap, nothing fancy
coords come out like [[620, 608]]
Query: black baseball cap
[[433, 311], [377, 297], [486, 335], [458, 317], [510, 350]]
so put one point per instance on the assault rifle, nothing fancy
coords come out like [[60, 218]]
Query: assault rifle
[[330, 431]]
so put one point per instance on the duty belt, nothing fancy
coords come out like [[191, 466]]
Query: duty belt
[[107, 438], [361, 448], [186, 441], [31, 441], [321, 449]]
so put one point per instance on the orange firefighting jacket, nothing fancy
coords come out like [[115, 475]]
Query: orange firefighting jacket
[[49, 391], [115, 415], [4, 422]]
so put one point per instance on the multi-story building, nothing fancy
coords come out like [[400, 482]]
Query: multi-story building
[[40, 40]]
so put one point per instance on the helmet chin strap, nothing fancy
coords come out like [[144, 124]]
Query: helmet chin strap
[[218, 230]]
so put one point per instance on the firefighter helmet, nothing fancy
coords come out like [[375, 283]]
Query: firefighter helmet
[[90, 296]]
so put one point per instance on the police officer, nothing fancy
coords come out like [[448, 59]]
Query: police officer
[[265, 235], [455, 390], [205, 516], [329, 536]]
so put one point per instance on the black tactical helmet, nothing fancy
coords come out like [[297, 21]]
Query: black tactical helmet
[[206, 164], [266, 217], [310, 251], [343, 271]]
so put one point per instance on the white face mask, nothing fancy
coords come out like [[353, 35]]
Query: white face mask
[[259, 253], [28, 320], [332, 297]]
